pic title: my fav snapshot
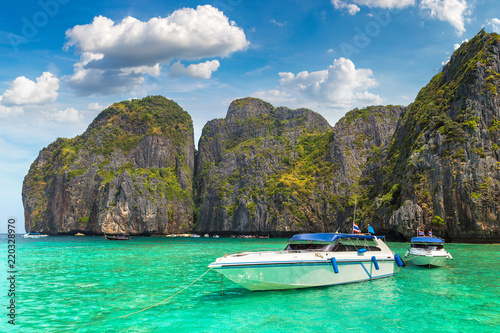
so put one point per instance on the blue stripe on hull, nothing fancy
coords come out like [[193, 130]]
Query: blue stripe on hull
[[287, 264]]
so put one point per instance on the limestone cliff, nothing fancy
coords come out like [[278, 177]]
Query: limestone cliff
[[442, 171], [274, 170], [130, 172]]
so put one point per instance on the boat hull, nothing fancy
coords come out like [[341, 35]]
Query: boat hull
[[34, 236], [292, 275], [431, 261], [120, 238]]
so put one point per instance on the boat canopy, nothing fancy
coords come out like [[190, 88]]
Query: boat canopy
[[323, 237], [426, 240]]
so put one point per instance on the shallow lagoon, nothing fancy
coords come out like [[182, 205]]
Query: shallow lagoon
[[66, 283]]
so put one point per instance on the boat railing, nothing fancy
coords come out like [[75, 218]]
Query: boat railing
[[253, 251]]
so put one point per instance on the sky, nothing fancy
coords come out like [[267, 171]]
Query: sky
[[64, 61]]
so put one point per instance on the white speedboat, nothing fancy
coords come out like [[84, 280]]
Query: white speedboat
[[312, 260], [33, 235], [428, 251]]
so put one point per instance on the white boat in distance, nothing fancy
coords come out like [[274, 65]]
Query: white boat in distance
[[428, 251], [33, 235], [312, 260]]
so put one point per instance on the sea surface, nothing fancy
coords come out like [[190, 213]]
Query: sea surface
[[90, 284]]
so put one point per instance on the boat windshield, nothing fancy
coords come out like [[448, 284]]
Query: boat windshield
[[340, 245], [349, 244], [308, 247], [428, 247]]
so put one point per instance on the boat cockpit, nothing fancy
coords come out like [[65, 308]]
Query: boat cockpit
[[341, 245]]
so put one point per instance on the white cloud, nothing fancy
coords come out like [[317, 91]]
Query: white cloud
[[87, 80], [115, 56], [23, 91], [495, 24], [389, 4], [95, 107], [452, 11], [276, 97], [457, 46], [10, 111], [70, 115], [352, 6], [202, 70], [340, 86], [279, 24]]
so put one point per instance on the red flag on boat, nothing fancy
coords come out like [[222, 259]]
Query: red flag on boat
[[421, 233], [430, 233], [355, 228]]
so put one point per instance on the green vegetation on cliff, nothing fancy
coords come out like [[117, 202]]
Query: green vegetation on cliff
[[450, 125], [148, 142], [282, 170]]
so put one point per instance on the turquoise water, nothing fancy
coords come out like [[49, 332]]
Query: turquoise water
[[83, 284]]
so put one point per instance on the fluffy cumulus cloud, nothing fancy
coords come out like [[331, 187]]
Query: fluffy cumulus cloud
[[452, 11], [340, 86], [24, 91], [203, 70], [352, 9], [70, 115], [117, 55], [495, 25], [87, 81]]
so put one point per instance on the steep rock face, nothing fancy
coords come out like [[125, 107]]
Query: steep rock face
[[359, 137], [444, 156], [237, 157], [275, 170], [130, 172], [359, 144]]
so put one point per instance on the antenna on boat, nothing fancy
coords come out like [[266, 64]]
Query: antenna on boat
[[354, 218]]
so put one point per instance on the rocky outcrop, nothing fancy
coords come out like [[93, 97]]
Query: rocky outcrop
[[407, 219], [274, 170], [360, 139], [130, 172], [444, 156], [238, 160]]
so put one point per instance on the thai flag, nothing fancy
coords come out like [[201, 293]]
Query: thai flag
[[355, 228], [430, 233], [421, 233]]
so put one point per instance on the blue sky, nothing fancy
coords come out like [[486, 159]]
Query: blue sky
[[64, 61]]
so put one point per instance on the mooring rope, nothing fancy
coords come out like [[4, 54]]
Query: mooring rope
[[138, 311]]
